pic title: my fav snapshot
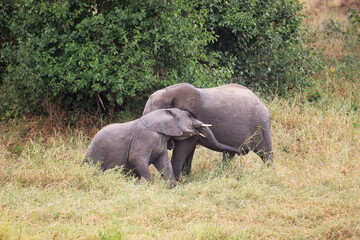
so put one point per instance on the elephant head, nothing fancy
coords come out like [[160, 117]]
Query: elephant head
[[172, 122], [182, 96], [180, 125]]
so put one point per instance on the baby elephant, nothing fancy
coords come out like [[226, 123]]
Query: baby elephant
[[136, 144]]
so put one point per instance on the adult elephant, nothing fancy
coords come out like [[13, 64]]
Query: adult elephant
[[238, 117]]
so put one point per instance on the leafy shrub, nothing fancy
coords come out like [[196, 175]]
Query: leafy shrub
[[262, 41], [354, 17], [86, 52], [98, 54]]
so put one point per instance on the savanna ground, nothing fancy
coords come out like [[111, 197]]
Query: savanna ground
[[314, 192]]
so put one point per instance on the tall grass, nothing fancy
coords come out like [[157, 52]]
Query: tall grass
[[313, 193]]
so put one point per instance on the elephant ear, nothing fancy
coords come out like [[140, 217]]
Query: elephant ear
[[184, 96], [162, 121]]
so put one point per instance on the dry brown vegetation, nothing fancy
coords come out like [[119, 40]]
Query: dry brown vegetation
[[317, 11], [314, 192]]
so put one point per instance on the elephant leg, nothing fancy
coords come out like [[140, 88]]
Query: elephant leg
[[266, 156], [227, 157], [186, 168], [264, 148], [183, 151], [163, 165], [128, 170], [140, 165]]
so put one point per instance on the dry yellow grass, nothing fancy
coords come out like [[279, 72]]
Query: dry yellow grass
[[318, 10], [314, 192], [318, 13]]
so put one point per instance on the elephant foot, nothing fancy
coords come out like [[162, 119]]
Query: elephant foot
[[171, 184], [227, 157]]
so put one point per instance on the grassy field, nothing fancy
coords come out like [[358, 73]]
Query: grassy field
[[314, 192]]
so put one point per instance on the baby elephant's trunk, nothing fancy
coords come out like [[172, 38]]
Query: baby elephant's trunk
[[205, 130]]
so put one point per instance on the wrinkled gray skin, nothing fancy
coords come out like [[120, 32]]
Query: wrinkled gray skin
[[137, 144], [238, 117]]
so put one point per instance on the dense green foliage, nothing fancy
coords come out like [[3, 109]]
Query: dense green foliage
[[261, 41], [111, 53]]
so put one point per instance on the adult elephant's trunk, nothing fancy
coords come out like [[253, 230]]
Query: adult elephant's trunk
[[205, 130]]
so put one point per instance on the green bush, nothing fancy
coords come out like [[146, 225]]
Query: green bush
[[87, 52], [261, 40], [101, 54]]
